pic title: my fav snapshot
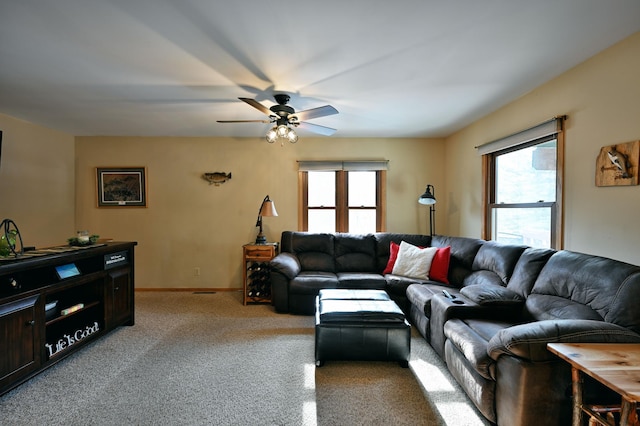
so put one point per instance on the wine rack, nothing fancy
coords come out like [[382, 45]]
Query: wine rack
[[257, 283]]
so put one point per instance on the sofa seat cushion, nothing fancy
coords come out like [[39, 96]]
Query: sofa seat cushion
[[420, 295], [311, 282], [471, 337], [361, 280], [398, 285]]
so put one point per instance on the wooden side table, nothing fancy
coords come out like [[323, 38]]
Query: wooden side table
[[615, 365], [256, 282]]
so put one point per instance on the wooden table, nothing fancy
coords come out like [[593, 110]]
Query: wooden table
[[255, 266], [617, 366]]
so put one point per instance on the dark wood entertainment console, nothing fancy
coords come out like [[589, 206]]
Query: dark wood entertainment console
[[55, 300]]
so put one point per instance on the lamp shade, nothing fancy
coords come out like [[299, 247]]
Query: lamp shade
[[427, 198], [268, 209]]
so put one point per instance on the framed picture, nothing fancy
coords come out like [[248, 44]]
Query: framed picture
[[122, 187]]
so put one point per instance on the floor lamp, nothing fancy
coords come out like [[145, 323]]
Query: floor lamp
[[429, 199]]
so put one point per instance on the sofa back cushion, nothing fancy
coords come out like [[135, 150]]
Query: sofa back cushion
[[527, 270], [355, 252], [578, 285], [495, 263], [463, 251], [315, 251], [383, 244]]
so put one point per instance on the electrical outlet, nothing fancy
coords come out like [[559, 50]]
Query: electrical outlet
[[196, 272]]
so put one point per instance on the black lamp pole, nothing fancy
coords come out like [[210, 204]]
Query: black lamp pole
[[429, 198], [432, 219]]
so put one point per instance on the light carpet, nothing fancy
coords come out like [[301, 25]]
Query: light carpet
[[205, 359]]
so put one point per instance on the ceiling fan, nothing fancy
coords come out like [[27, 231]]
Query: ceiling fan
[[284, 116]]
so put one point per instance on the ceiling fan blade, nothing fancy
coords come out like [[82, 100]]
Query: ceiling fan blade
[[257, 105], [243, 121], [308, 114], [322, 130]]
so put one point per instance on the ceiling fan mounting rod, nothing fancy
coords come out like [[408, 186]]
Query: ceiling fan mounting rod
[[282, 98]]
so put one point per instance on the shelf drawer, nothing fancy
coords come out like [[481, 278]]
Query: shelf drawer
[[259, 252]]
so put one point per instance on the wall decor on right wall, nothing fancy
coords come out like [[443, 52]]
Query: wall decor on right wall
[[617, 165]]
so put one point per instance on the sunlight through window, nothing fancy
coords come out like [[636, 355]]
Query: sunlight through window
[[430, 377], [433, 381], [309, 376], [309, 411]]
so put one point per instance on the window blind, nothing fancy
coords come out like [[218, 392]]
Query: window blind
[[548, 128], [365, 165]]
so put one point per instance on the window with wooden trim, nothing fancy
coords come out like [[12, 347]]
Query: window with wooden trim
[[342, 197], [522, 194]]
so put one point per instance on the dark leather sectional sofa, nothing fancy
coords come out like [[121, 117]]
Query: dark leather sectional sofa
[[509, 302]]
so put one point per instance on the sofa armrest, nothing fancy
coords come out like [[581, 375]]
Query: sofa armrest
[[529, 341], [287, 264], [443, 309], [284, 267]]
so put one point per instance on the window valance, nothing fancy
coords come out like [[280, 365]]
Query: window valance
[[364, 165]]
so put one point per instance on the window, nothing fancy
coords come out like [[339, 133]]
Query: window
[[523, 187], [342, 196]]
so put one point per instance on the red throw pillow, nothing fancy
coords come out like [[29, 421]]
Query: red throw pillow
[[440, 265], [393, 255]]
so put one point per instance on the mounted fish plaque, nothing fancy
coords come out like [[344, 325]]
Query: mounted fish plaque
[[617, 165], [216, 178]]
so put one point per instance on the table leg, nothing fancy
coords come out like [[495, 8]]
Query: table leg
[[629, 415], [576, 387]]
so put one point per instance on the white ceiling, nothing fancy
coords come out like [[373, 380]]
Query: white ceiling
[[404, 68]]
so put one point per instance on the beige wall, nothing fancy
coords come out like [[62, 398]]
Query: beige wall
[[190, 224], [37, 182], [602, 100]]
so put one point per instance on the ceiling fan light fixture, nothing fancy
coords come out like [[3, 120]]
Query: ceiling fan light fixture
[[282, 131], [292, 136], [272, 135]]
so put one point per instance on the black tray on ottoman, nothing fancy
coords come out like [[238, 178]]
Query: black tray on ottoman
[[360, 325]]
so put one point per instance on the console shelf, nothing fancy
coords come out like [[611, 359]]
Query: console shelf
[[56, 300], [63, 317]]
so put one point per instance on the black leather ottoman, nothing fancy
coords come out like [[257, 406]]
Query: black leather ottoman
[[360, 325]]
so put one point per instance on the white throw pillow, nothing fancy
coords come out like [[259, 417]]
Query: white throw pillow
[[413, 261]]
